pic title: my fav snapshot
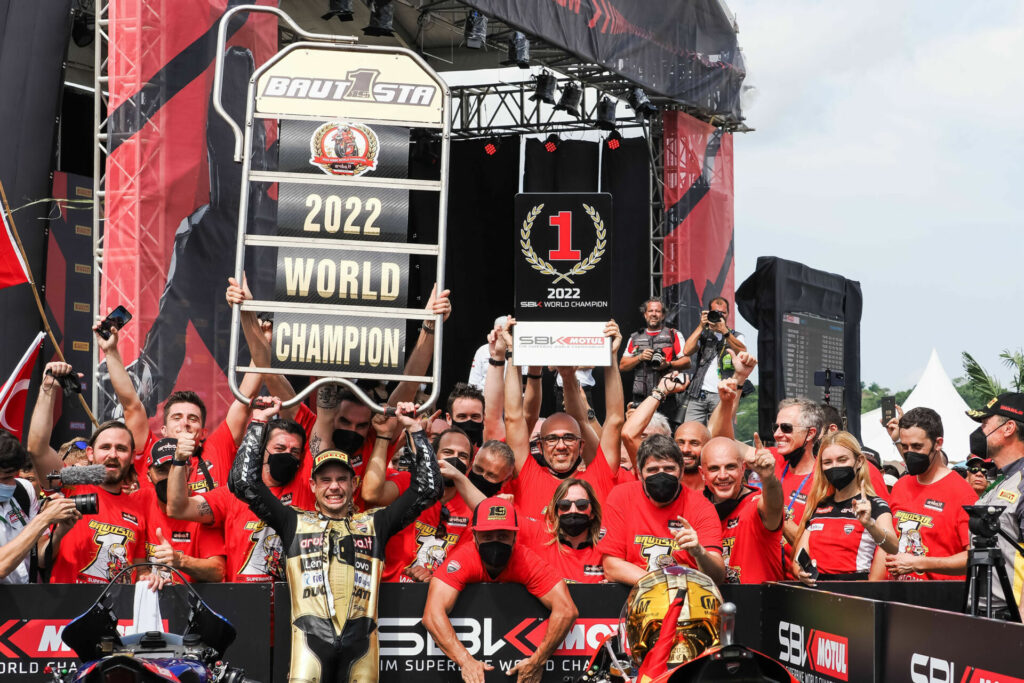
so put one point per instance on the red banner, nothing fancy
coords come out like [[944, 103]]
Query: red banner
[[698, 261], [172, 191]]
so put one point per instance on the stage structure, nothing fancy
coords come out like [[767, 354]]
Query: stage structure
[[635, 65]]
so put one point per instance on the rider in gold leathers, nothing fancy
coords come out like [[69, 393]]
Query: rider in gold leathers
[[335, 555]]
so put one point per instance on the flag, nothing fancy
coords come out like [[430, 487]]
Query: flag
[[13, 270], [14, 393]]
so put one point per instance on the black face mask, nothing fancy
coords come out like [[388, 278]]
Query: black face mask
[[161, 491], [573, 523], [840, 477], [662, 487], [793, 458], [457, 464], [495, 554], [283, 467], [474, 430], [978, 442], [917, 463], [725, 508], [346, 441], [488, 488]]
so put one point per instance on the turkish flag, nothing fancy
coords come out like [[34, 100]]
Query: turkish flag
[[13, 270], [14, 393]]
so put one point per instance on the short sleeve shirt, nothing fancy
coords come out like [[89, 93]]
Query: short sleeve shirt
[[575, 565], [13, 520], [192, 538], [750, 550], [218, 453], [641, 533], [464, 567], [837, 541], [535, 485]]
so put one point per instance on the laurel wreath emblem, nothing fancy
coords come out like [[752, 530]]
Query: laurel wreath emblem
[[539, 264]]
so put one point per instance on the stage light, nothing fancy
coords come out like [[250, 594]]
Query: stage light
[[641, 104], [570, 100], [475, 31], [339, 8], [83, 27], [605, 113], [552, 143], [381, 17], [518, 51], [492, 146], [545, 88], [614, 140]]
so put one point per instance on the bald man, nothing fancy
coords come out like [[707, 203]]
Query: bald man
[[691, 437]]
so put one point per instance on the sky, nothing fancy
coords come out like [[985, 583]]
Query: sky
[[888, 149]]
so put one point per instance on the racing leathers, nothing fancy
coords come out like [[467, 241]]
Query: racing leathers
[[333, 566]]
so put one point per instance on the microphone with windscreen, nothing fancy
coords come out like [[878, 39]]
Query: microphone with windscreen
[[82, 475]]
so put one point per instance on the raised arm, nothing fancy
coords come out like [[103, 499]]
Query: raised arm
[[516, 435], [376, 489], [633, 429], [494, 386], [769, 507], [135, 417], [614, 402], [533, 396], [44, 458], [246, 478], [577, 407], [180, 505], [422, 354], [425, 487]]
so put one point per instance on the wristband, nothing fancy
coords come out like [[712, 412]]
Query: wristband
[[508, 354], [257, 421], [658, 395], [534, 376], [497, 363], [178, 463], [427, 328]]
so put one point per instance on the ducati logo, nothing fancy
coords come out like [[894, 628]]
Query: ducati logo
[[562, 221], [345, 149]]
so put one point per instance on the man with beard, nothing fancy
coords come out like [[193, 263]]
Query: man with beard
[[254, 550], [1000, 435], [751, 519], [195, 550], [658, 522], [496, 557], [652, 352], [927, 507], [96, 547]]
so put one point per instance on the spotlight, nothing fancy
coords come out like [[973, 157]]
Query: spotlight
[[545, 88], [475, 31], [518, 51], [83, 27], [641, 104], [570, 100], [381, 17], [492, 146], [614, 140], [552, 143], [606, 113], [339, 8]]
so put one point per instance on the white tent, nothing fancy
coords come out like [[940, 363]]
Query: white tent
[[934, 390]]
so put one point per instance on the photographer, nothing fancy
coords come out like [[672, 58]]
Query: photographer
[[714, 344], [652, 353]]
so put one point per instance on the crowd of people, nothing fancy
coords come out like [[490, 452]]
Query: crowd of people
[[335, 500]]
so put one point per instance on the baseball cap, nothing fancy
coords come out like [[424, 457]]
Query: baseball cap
[[162, 452], [1008, 405], [493, 514], [975, 460], [328, 457]]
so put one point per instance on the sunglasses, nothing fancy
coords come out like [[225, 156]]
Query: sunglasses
[[567, 439], [565, 505], [784, 427], [977, 470]]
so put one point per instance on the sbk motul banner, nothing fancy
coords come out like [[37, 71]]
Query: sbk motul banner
[[172, 194], [332, 276], [344, 148], [683, 49], [374, 214], [698, 261]]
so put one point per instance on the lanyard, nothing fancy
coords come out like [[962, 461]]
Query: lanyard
[[792, 496]]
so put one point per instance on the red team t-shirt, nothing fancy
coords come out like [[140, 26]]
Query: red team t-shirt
[[750, 551], [575, 565], [535, 485], [837, 541], [930, 520], [218, 453], [464, 567], [418, 544], [641, 533], [98, 546], [192, 538]]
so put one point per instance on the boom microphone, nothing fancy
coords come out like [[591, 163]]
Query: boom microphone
[[80, 475]]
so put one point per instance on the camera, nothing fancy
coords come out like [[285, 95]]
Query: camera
[[69, 383], [87, 503], [715, 317], [983, 520]]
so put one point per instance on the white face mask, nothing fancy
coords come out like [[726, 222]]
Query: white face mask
[[7, 492]]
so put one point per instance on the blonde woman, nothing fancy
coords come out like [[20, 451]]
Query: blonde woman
[[844, 520]]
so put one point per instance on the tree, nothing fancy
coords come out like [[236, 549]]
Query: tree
[[978, 387], [746, 418]]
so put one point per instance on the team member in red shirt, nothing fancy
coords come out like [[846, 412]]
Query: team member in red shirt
[[254, 551], [195, 550], [844, 520], [751, 519], [927, 506], [566, 538], [658, 522], [495, 556]]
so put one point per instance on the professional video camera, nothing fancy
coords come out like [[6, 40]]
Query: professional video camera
[[985, 562]]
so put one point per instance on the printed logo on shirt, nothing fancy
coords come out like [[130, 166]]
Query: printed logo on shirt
[[265, 556], [848, 529], [130, 518], [458, 521], [199, 486], [909, 526], [824, 508], [1009, 496], [936, 505], [658, 551], [675, 524], [732, 523], [453, 567], [112, 549], [815, 526], [593, 570], [286, 499], [181, 537]]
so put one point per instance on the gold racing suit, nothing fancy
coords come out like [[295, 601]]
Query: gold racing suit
[[333, 566]]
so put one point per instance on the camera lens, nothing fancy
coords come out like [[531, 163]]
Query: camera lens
[[87, 503], [715, 317]]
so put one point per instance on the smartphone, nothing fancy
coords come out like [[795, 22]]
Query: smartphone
[[117, 319], [804, 560], [888, 408]]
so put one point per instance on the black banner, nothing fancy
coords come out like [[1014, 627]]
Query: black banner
[[683, 49], [343, 213], [332, 276], [563, 256], [338, 343], [341, 149]]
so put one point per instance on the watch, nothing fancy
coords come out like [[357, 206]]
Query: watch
[[495, 362], [591, 415]]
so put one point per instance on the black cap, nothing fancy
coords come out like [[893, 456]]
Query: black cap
[[162, 452], [983, 462], [1008, 405]]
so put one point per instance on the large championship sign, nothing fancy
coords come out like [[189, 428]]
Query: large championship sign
[[340, 242], [563, 278]]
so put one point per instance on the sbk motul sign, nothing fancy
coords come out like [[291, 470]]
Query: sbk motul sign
[[41, 638], [821, 652]]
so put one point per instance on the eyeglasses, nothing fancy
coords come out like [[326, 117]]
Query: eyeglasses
[[567, 439], [977, 470], [442, 525], [565, 505], [784, 427]]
